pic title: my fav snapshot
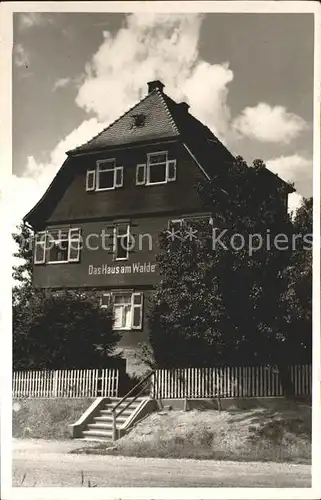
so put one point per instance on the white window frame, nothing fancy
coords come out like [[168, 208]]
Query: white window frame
[[188, 220], [91, 187], [106, 294], [181, 221], [42, 244], [77, 231], [167, 163], [116, 236], [138, 306], [111, 296], [114, 169], [141, 166], [70, 230], [171, 179]]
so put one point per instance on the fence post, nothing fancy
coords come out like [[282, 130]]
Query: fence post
[[55, 384]]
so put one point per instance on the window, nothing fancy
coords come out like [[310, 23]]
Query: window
[[159, 169], [171, 170], [106, 176], [121, 241], [74, 245], [140, 174], [91, 180], [127, 309], [63, 245], [105, 300], [40, 248], [139, 120], [137, 310], [175, 224]]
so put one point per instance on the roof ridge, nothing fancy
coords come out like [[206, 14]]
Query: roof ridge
[[174, 124], [190, 116], [112, 123]]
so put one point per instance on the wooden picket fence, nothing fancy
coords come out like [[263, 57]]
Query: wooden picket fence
[[65, 383], [228, 382]]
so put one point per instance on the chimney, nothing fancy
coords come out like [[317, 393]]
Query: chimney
[[184, 106], [155, 84]]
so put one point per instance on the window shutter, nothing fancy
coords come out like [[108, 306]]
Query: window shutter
[[137, 308], [105, 300], [119, 175], [171, 175], [90, 180], [74, 245], [140, 174], [40, 248]]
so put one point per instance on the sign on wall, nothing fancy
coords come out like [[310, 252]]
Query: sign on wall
[[133, 268]]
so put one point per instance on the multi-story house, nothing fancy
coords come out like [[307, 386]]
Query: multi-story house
[[98, 222]]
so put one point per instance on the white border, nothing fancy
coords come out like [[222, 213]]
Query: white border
[[6, 11]]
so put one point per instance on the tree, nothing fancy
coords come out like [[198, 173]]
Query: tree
[[54, 329], [298, 296], [223, 304], [64, 330], [23, 238]]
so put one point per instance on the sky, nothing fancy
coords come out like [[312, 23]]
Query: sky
[[249, 77]]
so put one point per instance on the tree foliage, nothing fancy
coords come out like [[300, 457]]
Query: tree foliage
[[56, 329], [227, 304], [297, 299]]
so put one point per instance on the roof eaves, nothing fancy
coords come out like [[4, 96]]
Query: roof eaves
[[37, 205], [290, 189], [196, 161]]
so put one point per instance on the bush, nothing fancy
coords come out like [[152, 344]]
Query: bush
[[60, 330]]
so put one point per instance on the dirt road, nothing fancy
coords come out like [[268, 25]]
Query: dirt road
[[43, 463]]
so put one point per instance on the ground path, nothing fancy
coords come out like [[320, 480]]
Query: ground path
[[48, 463]]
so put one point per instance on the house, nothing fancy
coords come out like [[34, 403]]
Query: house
[[98, 222]]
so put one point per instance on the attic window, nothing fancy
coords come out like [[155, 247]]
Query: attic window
[[106, 176], [159, 168], [138, 120]]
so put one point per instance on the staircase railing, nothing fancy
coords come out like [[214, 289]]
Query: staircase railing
[[115, 414]]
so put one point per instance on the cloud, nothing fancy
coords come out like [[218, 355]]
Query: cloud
[[61, 83], [27, 20], [155, 46], [37, 176], [149, 46], [269, 124], [21, 57], [294, 168], [159, 46]]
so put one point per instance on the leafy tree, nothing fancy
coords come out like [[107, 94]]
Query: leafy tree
[[23, 238], [64, 330], [223, 304], [298, 296], [56, 329]]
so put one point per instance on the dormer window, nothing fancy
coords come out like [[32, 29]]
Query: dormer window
[[138, 120], [158, 169], [106, 176]]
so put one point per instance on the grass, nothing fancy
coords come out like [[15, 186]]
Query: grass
[[46, 418], [250, 435]]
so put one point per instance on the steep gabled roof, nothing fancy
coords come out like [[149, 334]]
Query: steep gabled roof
[[161, 118], [155, 117], [154, 122]]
